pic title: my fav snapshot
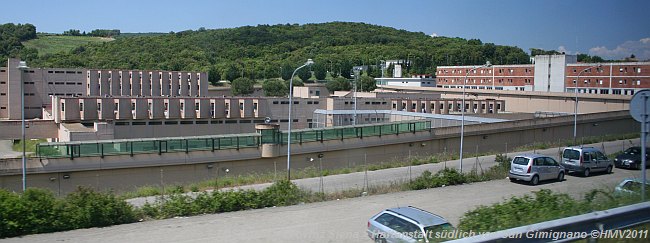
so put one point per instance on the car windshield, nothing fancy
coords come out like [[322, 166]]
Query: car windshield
[[434, 232], [633, 150], [521, 161], [571, 154]]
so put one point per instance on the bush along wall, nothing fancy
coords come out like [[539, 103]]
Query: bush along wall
[[39, 211], [281, 193]]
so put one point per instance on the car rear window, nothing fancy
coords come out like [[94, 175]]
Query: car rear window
[[521, 161], [571, 154]]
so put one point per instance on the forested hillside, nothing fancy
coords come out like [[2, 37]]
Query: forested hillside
[[265, 51], [11, 38]]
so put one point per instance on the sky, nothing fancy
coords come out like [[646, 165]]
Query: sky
[[611, 29]]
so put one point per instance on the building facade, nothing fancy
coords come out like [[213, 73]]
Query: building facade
[[551, 73], [41, 84]]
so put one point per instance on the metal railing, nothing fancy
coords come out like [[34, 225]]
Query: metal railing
[[595, 225]]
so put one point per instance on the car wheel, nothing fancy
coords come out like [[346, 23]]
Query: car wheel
[[586, 173], [513, 179], [534, 180], [560, 177], [609, 169]]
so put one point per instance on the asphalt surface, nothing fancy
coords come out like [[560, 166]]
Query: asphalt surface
[[357, 180], [6, 150], [332, 221]]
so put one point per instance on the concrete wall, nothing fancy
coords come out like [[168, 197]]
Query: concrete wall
[[121, 173]]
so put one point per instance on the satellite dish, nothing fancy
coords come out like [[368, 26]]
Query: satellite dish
[[267, 120]]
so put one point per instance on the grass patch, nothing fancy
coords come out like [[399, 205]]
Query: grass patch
[[52, 44], [544, 205], [30, 146]]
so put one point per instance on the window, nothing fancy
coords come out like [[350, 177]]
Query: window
[[62, 106], [550, 162]]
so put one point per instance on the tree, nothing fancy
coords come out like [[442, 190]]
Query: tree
[[304, 74], [242, 86], [72, 32], [535, 52], [287, 70], [338, 84], [214, 76], [275, 88], [319, 71], [367, 84], [346, 69], [231, 73]]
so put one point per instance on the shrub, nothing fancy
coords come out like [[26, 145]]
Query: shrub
[[38, 211], [86, 208], [282, 193], [445, 177]]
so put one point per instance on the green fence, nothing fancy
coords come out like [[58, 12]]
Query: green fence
[[359, 131], [211, 143], [145, 146]]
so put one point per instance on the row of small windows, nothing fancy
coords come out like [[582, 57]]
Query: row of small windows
[[284, 102], [60, 71], [64, 83], [376, 103], [622, 81], [140, 123], [65, 94], [110, 75], [26, 94], [484, 71], [26, 108]]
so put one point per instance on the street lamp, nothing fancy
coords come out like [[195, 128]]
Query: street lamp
[[357, 72], [462, 112], [22, 65], [575, 111], [309, 62]]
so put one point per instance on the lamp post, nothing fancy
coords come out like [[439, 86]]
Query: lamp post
[[462, 112], [575, 111], [357, 72], [22, 66], [383, 66], [309, 62]]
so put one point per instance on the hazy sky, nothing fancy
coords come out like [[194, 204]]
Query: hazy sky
[[611, 29]]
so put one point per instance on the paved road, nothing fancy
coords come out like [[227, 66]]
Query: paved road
[[337, 183], [6, 150], [332, 221]]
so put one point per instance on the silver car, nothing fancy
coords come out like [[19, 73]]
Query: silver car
[[586, 160], [407, 224], [534, 168]]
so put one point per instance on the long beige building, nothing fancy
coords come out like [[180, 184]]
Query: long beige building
[[41, 84]]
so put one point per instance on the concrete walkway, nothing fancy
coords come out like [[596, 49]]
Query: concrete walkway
[[6, 150], [358, 180]]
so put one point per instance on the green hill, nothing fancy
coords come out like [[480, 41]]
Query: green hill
[[51, 44], [265, 51]]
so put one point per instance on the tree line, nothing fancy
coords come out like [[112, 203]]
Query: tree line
[[274, 51], [95, 33], [11, 38]]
